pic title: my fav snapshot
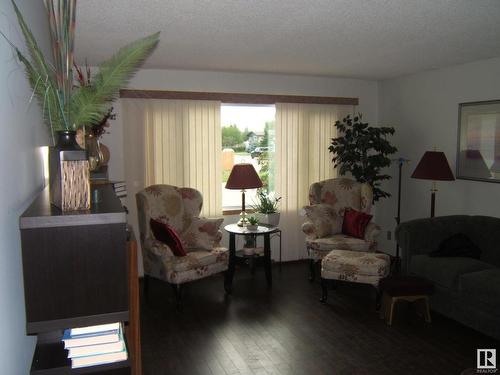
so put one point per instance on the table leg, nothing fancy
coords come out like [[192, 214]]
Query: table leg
[[228, 281], [267, 256], [280, 249]]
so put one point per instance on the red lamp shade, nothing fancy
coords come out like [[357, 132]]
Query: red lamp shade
[[243, 176], [433, 166]]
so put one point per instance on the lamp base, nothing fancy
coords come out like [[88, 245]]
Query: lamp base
[[243, 222]]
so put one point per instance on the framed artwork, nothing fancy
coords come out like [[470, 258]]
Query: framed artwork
[[478, 151]]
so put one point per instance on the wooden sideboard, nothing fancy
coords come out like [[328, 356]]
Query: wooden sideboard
[[79, 270]]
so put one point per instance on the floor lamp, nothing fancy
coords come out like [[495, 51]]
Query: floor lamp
[[433, 166], [400, 161]]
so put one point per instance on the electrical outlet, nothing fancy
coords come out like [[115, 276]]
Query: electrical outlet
[[389, 235]]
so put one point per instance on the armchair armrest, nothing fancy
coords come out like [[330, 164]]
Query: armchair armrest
[[158, 248], [218, 239], [310, 230], [372, 232]]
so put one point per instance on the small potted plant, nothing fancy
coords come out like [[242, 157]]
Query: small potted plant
[[266, 207], [253, 223]]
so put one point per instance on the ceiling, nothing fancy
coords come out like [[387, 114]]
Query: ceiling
[[374, 39]]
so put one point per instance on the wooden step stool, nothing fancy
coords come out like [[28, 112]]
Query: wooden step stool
[[405, 288]]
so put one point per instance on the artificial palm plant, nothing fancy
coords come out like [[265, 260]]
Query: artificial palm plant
[[64, 106]]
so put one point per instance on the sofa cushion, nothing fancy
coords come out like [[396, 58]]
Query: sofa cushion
[[445, 271], [483, 286]]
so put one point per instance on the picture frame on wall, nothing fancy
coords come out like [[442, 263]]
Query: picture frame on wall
[[478, 150]]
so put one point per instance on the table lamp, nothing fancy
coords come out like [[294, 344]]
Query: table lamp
[[433, 166], [243, 176]]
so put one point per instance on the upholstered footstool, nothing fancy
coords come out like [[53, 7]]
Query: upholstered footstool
[[354, 266], [405, 288]]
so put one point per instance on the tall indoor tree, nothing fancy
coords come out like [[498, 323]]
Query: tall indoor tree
[[362, 151]]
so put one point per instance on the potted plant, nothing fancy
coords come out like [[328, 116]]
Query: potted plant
[[266, 207], [67, 107], [253, 223], [363, 150]]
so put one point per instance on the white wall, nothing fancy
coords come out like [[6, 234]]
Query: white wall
[[21, 177], [424, 109]]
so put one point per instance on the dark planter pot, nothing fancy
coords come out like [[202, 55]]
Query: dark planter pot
[[69, 174]]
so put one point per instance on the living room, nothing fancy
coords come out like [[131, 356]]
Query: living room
[[408, 65]]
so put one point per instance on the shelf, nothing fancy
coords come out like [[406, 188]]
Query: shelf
[[52, 358]]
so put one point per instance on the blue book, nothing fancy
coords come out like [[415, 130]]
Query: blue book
[[91, 337]]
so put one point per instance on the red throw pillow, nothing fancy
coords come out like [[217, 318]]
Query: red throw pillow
[[355, 223], [166, 234]]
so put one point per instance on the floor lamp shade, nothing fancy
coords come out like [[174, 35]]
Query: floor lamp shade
[[243, 176], [433, 166]]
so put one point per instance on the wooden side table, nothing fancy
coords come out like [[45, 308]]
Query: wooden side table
[[405, 288], [235, 230]]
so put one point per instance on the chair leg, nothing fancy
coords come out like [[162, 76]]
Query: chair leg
[[428, 310], [424, 303], [391, 310], [324, 290], [378, 299], [312, 270], [178, 293]]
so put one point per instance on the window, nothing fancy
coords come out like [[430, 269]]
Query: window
[[247, 137]]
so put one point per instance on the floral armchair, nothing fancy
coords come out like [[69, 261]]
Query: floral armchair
[[180, 208], [328, 201]]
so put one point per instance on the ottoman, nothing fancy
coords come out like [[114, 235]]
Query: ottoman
[[405, 288], [354, 266]]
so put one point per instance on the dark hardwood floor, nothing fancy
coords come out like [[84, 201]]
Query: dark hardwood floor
[[287, 331]]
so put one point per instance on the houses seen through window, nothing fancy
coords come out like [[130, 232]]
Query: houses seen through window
[[248, 136]]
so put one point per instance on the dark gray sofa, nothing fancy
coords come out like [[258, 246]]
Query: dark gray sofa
[[466, 289]]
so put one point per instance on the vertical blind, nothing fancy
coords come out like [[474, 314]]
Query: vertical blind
[[182, 146], [303, 134]]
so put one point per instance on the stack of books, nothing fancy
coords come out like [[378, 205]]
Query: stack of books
[[95, 345], [120, 188]]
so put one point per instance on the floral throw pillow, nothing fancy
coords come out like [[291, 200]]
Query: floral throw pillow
[[166, 234], [203, 233], [325, 219], [355, 223]]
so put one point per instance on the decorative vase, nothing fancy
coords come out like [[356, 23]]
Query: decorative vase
[[252, 227], [269, 219], [69, 174], [93, 149]]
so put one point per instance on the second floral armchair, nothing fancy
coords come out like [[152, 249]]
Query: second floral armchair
[[328, 201]]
